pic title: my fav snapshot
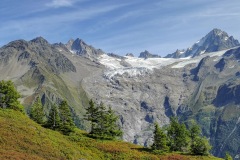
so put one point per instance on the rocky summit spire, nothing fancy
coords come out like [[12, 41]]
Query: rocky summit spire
[[40, 40], [215, 40], [79, 47]]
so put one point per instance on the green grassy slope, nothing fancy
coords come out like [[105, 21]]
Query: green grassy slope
[[21, 138]]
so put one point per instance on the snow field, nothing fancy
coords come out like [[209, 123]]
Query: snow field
[[140, 66]]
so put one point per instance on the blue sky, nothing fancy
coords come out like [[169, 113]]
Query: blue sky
[[119, 26]]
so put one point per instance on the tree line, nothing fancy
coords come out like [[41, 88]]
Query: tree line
[[59, 117], [103, 120], [103, 123], [176, 137]]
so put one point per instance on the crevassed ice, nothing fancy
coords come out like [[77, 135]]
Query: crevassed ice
[[131, 72], [140, 66]]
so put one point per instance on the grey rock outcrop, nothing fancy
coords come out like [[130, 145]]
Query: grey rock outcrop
[[115, 56], [146, 55], [177, 54]]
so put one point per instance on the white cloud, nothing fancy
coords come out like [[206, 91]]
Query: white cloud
[[60, 3]]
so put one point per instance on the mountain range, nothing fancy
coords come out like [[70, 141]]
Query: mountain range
[[200, 83]]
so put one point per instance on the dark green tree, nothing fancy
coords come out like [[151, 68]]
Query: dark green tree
[[92, 115], [177, 135], [159, 139], [67, 124], [194, 133], [9, 96], [101, 124], [199, 145], [228, 156], [103, 121], [37, 113], [53, 121], [111, 129]]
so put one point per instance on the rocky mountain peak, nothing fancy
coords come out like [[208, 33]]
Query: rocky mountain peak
[[39, 40], [147, 54], [215, 40], [217, 31], [79, 47], [216, 35]]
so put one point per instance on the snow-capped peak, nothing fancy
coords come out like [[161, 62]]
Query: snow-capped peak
[[215, 40]]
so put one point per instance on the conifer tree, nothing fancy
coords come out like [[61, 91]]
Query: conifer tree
[[37, 113], [9, 96], [67, 124], [92, 115], [101, 126], [112, 130], [159, 139], [199, 145], [103, 121], [194, 132], [53, 121], [177, 135]]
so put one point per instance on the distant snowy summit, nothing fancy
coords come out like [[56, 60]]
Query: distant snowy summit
[[216, 40]]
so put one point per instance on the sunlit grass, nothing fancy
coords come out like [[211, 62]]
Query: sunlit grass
[[21, 138]]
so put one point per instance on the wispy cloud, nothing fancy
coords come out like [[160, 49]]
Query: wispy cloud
[[120, 26], [60, 3], [53, 25], [73, 16]]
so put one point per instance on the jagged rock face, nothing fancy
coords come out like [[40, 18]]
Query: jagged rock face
[[35, 53], [48, 71], [142, 100], [216, 40], [79, 47], [146, 55]]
